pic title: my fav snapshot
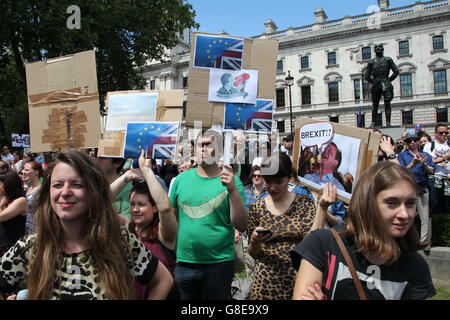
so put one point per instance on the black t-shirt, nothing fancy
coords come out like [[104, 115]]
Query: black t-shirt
[[408, 278]]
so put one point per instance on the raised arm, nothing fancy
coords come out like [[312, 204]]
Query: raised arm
[[168, 225], [18, 207], [328, 197], [238, 211], [121, 182]]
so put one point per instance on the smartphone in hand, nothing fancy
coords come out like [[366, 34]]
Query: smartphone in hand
[[264, 231]]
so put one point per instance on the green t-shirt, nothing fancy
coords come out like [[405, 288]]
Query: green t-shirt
[[122, 203], [205, 232]]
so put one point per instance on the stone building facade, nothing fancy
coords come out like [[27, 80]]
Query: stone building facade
[[327, 61]]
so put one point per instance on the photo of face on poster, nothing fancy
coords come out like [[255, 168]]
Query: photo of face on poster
[[233, 86], [336, 161]]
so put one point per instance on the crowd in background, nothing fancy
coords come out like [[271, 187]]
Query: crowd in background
[[181, 221]]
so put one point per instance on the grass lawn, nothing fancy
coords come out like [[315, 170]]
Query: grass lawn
[[441, 294]]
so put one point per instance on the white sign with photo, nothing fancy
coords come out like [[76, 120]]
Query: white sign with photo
[[233, 86]]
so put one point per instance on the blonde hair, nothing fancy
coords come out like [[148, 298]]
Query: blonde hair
[[103, 236], [365, 223]]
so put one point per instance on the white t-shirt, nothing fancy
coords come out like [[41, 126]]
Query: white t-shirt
[[8, 158], [442, 168]]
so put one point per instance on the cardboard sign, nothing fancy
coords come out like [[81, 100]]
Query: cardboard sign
[[63, 103], [169, 108], [331, 152], [257, 54]]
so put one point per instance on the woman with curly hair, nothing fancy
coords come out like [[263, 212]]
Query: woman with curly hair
[[80, 250]]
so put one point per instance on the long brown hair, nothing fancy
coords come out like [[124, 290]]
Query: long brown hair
[[365, 224], [103, 237]]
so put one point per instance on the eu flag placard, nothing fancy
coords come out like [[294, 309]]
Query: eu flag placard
[[218, 52], [249, 117], [159, 139]]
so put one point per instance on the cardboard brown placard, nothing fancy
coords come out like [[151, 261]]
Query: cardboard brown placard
[[58, 85], [369, 143], [258, 55], [169, 109]]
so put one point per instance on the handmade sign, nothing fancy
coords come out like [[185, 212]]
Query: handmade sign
[[204, 103], [330, 152], [249, 117], [130, 106], [158, 139], [63, 103], [233, 86], [218, 52]]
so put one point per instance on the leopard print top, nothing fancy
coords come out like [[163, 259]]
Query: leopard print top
[[78, 275], [274, 276]]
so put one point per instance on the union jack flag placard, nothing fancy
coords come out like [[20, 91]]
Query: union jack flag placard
[[249, 117], [159, 139], [218, 52]]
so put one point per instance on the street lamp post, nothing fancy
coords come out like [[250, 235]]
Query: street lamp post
[[289, 82]]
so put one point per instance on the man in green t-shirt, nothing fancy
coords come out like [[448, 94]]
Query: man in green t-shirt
[[209, 204]]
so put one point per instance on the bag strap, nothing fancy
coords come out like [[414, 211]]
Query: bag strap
[[350, 265]]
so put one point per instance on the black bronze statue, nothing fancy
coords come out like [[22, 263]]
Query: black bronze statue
[[377, 73]]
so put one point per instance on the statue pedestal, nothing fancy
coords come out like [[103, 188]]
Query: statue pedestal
[[394, 131]]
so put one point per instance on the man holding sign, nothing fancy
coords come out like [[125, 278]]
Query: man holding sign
[[209, 204]]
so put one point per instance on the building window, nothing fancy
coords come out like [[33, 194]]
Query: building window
[[438, 42], [333, 92], [184, 109], [280, 126], [403, 48], [357, 89], [440, 81], [152, 85], [406, 84], [280, 98], [407, 117], [185, 82], [366, 53], [442, 115], [334, 119], [367, 86], [306, 95], [331, 58], [304, 62], [280, 66], [379, 120]]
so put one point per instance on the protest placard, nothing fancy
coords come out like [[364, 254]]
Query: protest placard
[[63, 103], [245, 54], [331, 152]]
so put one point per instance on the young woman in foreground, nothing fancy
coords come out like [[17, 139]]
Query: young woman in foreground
[[80, 250], [380, 238]]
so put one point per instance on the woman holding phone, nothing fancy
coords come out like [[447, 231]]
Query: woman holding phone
[[276, 224]]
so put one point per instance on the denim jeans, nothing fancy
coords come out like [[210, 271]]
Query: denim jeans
[[204, 281]]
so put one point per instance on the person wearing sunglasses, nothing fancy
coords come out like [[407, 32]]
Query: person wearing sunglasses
[[439, 150], [421, 165]]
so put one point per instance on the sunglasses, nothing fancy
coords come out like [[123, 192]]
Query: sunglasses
[[257, 176], [442, 132], [411, 140]]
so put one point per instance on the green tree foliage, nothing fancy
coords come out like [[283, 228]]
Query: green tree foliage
[[125, 34]]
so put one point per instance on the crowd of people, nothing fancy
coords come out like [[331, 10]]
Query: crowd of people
[[77, 226]]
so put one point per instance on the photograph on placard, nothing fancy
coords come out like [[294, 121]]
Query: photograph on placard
[[326, 156], [233, 86], [249, 117], [130, 107], [218, 52], [158, 139]]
